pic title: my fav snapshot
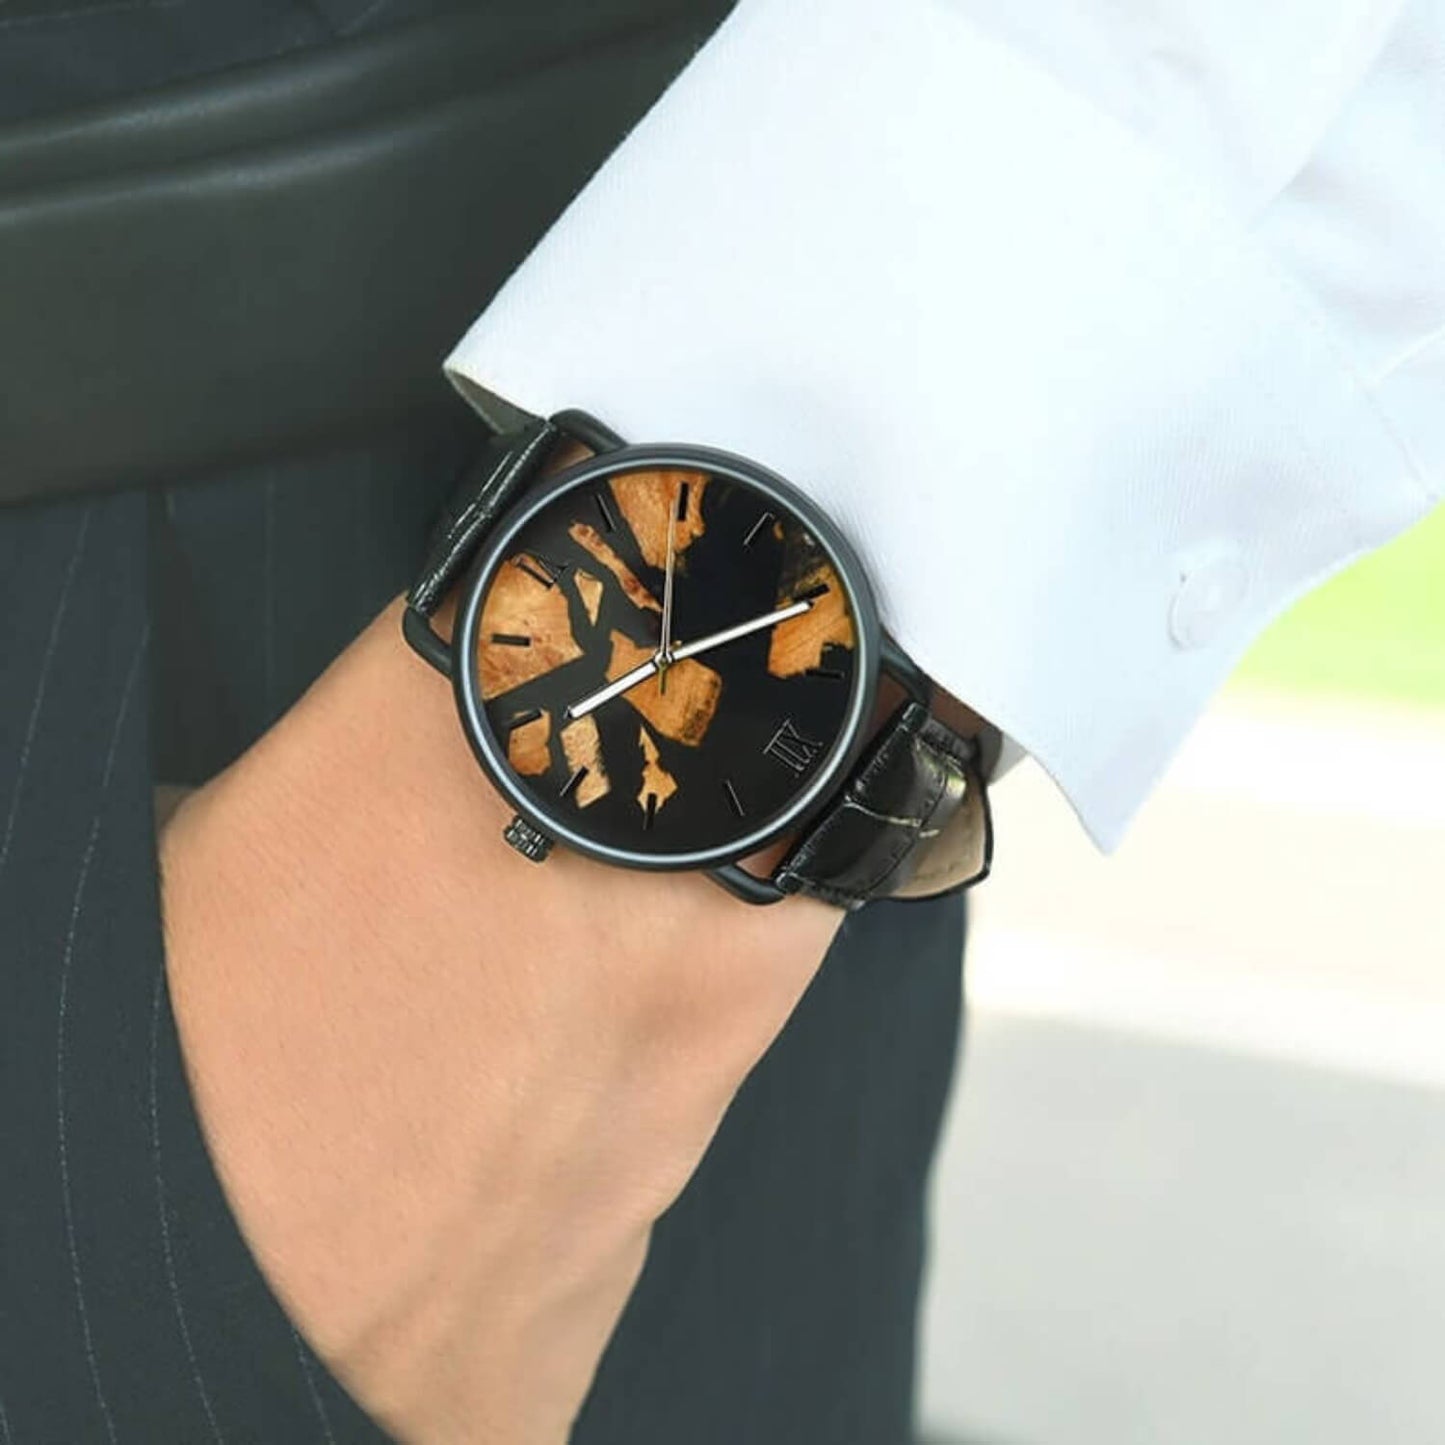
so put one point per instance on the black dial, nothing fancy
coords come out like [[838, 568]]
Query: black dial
[[668, 657]]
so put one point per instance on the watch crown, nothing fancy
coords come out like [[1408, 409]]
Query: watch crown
[[530, 842]]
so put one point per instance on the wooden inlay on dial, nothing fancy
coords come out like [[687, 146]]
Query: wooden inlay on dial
[[684, 710], [799, 643], [589, 538], [589, 589], [518, 605], [529, 745], [582, 746], [658, 785], [646, 500]]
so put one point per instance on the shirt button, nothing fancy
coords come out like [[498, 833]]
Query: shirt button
[[1209, 591]]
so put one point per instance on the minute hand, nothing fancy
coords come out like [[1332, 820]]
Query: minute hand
[[741, 629]]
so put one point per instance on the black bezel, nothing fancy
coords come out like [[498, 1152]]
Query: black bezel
[[491, 752]]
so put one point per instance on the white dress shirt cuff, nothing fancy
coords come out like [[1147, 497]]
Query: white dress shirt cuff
[[1085, 434]]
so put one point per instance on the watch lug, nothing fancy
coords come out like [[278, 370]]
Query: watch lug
[[746, 886], [904, 671], [583, 427], [426, 641], [532, 843]]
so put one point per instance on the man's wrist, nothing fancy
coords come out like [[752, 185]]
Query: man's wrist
[[409, 1046]]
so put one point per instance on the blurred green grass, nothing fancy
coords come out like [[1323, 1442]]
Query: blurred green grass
[[1376, 631]]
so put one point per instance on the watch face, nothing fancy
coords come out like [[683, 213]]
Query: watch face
[[668, 656]]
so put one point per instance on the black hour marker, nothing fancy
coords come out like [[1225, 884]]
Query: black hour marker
[[608, 520], [815, 591], [649, 811], [791, 748], [756, 528], [510, 639], [833, 672], [734, 802], [682, 501], [572, 783], [521, 719], [545, 571]]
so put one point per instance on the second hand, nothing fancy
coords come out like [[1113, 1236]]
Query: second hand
[[664, 646]]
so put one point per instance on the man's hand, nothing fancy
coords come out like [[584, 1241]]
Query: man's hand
[[448, 1091]]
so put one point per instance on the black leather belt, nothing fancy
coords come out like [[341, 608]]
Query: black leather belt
[[283, 254]]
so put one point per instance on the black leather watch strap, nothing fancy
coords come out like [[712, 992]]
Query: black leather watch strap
[[917, 790], [507, 463]]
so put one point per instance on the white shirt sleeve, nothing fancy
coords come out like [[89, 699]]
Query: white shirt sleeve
[[1103, 331]]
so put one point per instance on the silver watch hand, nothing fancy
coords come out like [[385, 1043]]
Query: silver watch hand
[[664, 646], [643, 671], [741, 629], [613, 689]]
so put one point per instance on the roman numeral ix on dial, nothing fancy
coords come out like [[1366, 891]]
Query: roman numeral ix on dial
[[791, 748]]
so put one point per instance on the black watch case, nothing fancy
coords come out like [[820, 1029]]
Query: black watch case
[[756, 773]]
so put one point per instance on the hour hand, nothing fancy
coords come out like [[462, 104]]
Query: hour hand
[[616, 688]]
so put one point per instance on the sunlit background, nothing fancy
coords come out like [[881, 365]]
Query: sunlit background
[[1193, 1185]]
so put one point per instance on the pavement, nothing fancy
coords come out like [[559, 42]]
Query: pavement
[[1193, 1183]]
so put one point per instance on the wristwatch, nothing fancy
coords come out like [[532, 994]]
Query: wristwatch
[[668, 657]]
